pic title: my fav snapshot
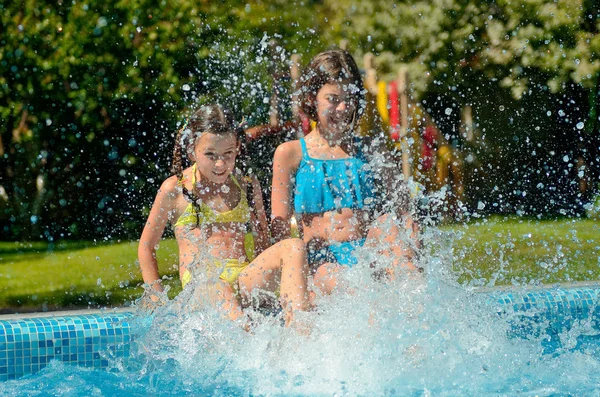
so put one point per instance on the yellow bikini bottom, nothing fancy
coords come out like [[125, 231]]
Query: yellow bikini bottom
[[230, 273]]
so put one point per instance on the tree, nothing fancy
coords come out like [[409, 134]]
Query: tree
[[520, 64], [92, 92]]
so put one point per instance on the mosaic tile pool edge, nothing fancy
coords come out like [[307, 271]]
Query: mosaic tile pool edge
[[559, 308], [547, 313], [27, 345]]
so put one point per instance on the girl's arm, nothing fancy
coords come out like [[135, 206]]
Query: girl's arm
[[260, 225], [153, 230], [285, 162]]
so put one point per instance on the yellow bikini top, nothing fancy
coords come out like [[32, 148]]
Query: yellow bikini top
[[241, 213]]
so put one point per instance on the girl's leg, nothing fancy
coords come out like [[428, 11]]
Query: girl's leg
[[224, 297], [390, 245], [326, 277], [284, 262]]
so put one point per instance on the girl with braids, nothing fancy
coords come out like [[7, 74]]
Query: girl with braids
[[326, 180], [211, 209]]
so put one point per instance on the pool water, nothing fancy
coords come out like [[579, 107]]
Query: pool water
[[415, 336]]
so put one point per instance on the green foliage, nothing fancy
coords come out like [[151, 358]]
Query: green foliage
[[527, 69], [448, 40], [91, 92]]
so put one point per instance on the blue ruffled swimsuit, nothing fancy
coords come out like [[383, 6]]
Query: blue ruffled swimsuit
[[327, 185]]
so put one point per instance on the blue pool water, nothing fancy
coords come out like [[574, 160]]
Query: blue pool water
[[447, 342], [419, 335]]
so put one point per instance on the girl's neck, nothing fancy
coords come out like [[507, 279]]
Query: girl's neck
[[336, 139], [205, 185]]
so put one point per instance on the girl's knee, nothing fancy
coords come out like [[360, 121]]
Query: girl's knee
[[294, 245], [326, 270]]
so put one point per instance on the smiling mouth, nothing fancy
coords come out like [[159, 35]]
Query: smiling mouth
[[340, 119]]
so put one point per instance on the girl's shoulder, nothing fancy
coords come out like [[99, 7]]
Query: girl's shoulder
[[169, 188], [289, 152], [170, 184], [175, 182], [173, 185]]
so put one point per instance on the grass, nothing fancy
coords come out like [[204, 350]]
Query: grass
[[495, 251], [38, 275], [523, 251]]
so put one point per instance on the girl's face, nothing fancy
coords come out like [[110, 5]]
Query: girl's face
[[336, 105], [215, 156]]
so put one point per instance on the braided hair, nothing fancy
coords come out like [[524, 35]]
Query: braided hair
[[212, 119]]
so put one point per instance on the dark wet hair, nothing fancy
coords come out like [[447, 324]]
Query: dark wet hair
[[329, 67], [213, 119]]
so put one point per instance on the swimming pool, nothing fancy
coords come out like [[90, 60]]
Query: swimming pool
[[558, 326], [28, 344]]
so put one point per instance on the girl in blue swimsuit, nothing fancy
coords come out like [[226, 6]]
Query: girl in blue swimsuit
[[325, 178]]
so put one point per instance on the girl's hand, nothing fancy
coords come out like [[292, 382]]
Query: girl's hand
[[150, 301]]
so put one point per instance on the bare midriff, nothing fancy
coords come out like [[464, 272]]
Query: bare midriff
[[335, 226], [219, 240]]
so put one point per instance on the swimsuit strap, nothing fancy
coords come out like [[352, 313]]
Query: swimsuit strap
[[304, 149], [235, 181], [193, 175], [180, 180]]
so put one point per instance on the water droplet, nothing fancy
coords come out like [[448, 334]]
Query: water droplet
[[225, 189], [566, 158], [448, 111], [501, 108], [580, 125], [186, 87]]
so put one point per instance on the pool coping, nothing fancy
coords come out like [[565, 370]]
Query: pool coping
[[524, 288], [67, 313], [94, 338]]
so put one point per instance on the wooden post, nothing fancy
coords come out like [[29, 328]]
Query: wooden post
[[403, 94], [295, 75], [368, 61], [468, 123], [299, 119], [295, 68], [370, 73], [273, 111]]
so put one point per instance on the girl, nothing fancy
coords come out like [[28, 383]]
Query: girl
[[210, 210], [325, 179]]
